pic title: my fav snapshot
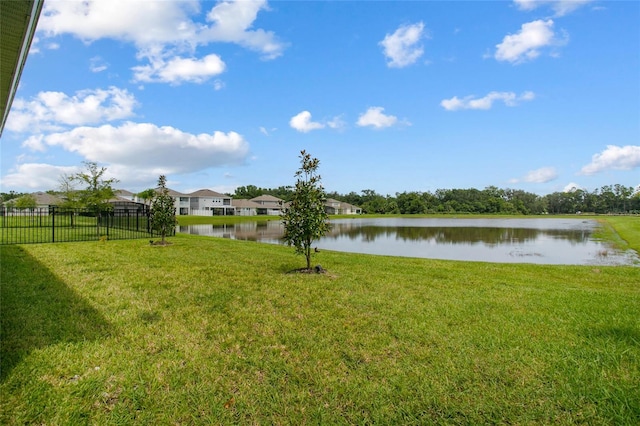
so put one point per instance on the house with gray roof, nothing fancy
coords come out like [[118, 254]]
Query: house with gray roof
[[269, 205], [44, 201], [244, 207], [332, 206], [206, 202]]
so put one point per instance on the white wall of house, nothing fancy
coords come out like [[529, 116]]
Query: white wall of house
[[201, 203], [182, 205], [203, 212], [245, 211], [274, 212]]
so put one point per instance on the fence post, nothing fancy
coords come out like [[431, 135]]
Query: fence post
[[53, 224]]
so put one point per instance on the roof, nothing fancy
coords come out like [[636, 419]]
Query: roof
[[207, 193], [46, 199], [244, 203], [18, 21], [174, 193], [330, 202], [266, 198], [348, 205]]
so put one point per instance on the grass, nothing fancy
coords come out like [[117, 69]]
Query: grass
[[63, 228], [215, 331], [623, 231]]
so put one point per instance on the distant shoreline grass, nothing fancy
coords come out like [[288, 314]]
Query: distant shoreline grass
[[215, 331]]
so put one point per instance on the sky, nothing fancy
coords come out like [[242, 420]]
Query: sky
[[391, 96]]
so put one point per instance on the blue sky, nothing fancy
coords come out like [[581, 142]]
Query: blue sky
[[390, 96]]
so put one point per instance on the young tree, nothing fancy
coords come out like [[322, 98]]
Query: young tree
[[97, 191], [306, 219], [69, 195], [147, 195], [25, 202], [163, 211]]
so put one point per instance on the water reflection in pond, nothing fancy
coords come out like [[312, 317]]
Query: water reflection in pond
[[543, 241]]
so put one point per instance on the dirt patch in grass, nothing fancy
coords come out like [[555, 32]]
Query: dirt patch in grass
[[316, 270]]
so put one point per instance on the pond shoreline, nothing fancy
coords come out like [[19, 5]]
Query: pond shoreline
[[576, 240]]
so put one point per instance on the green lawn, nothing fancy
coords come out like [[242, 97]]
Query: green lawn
[[66, 228], [215, 331]]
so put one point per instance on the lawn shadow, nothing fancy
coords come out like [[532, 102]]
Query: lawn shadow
[[38, 310], [629, 335]]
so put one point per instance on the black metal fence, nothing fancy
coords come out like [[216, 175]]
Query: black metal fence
[[51, 225]]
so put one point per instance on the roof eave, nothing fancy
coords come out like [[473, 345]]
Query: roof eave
[[22, 58]]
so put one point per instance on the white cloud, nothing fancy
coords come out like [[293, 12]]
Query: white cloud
[[231, 22], [140, 22], [35, 176], [177, 70], [302, 122], [613, 158], [542, 175], [403, 47], [571, 187], [97, 64], [218, 84], [267, 132], [375, 117], [509, 98], [560, 7], [148, 150], [52, 110], [35, 143], [526, 44], [336, 123], [163, 31]]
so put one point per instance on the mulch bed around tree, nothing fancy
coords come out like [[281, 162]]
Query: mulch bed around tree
[[315, 270]]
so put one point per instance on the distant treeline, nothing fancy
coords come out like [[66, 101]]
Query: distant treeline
[[491, 200]]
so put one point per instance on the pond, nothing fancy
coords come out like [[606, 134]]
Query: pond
[[536, 240]]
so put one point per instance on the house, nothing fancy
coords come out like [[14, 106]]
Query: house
[[126, 195], [350, 208], [181, 201], [203, 202], [206, 202], [44, 201], [333, 206], [125, 204], [244, 207], [269, 205]]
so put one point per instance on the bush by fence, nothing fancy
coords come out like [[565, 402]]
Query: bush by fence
[[48, 225]]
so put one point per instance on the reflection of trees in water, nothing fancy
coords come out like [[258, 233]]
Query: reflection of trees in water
[[453, 235], [273, 230]]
